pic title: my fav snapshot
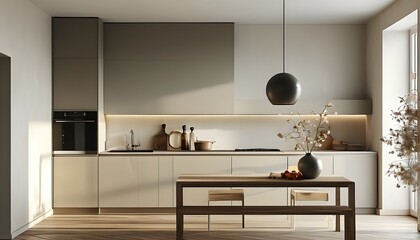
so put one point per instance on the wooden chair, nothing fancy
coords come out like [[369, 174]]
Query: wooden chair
[[226, 195]]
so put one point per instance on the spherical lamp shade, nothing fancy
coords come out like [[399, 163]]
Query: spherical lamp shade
[[283, 89]]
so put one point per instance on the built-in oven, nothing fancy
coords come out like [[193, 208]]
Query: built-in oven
[[75, 132]]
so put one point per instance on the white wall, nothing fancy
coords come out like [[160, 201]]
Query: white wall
[[381, 91], [229, 132], [25, 36]]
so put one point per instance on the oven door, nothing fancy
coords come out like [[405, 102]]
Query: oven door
[[75, 136]]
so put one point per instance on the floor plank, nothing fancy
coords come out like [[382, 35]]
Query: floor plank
[[158, 227]]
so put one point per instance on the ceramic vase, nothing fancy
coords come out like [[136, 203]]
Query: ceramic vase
[[310, 166]]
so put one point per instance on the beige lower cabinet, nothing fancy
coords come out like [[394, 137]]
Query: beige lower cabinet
[[128, 181], [199, 164], [76, 181], [150, 181], [362, 169], [262, 165], [166, 182]]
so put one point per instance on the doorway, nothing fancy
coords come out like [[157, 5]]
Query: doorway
[[5, 138]]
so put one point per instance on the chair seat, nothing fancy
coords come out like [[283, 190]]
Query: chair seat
[[226, 195]]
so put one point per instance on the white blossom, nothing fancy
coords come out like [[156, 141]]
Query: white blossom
[[308, 134]]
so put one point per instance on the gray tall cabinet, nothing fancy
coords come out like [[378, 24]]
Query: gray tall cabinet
[[75, 63], [76, 48]]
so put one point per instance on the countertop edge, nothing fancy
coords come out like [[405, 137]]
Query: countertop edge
[[233, 153]]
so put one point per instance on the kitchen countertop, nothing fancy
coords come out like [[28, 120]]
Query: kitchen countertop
[[233, 152]]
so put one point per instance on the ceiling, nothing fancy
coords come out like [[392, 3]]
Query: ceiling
[[238, 11]]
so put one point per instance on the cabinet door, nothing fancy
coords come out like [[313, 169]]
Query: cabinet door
[[362, 169], [75, 37], [75, 181], [262, 165], [249, 165], [75, 84], [118, 181], [166, 182], [148, 181], [168, 68], [199, 165]]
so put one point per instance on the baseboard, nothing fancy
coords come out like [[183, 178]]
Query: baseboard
[[367, 211], [393, 212], [121, 210], [413, 213], [168, 210], [76, 211], [32, 223]]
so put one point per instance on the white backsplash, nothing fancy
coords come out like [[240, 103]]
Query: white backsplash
[[228, 131]]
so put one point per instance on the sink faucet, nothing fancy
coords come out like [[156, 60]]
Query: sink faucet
[[133, 146]]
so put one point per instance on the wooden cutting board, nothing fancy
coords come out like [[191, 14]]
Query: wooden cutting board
[[161, 140]]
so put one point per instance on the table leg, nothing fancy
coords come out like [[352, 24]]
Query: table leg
[[349, 226], [179, 226], [337, 203], [350, 221], [179, 214]]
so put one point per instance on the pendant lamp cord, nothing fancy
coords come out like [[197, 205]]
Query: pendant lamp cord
[[284, 38]]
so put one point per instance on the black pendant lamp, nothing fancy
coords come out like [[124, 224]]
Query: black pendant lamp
[[283, 88]]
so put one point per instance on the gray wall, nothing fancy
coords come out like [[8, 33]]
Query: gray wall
[[328, 60]]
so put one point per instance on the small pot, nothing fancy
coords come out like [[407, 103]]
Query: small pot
[[203, 145]]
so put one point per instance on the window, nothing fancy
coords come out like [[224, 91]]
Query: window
[[413, 58], [413, 86]]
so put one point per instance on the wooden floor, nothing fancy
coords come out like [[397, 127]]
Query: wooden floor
[[154, 227]]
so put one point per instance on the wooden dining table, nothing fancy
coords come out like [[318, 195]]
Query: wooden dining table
[[234, 181]]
